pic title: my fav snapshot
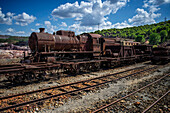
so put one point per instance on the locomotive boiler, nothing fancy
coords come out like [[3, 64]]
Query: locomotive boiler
[[45, 42], [62, 45]]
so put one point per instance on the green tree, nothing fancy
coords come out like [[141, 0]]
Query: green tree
[[107, 34], [140, 38], [154, 39], [133, 35], [164, 35], [149, 32]]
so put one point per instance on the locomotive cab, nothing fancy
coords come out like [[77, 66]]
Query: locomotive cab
[[91, 43]]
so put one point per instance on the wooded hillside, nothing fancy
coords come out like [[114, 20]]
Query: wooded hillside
[[154, 33]]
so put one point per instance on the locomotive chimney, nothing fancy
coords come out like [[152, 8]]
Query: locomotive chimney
[[42, 30]]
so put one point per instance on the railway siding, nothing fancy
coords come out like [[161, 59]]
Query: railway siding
[[88, 103], [66, 89]]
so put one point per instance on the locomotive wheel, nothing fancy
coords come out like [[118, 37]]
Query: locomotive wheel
[[153, 61], [18, 79], [75, 69], [97, 66], [92, 66], [108, 64], [41, 76], [88, 67], [85, 67], [10, 78], [29, 77]]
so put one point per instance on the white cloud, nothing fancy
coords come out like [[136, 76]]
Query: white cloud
[[6, 19], [106, 25], [48, 23], [21, 19], [153, 8], [33, 30], [20, 32], [89, 13], [154, 4], [10, 30], [113, 1], [158, 2], [37, 24], [78, 29], [13, 32], [9, 14], [24, 19], [69, 10], [122, 25], [49, 26], [143, 17], [63, 24]]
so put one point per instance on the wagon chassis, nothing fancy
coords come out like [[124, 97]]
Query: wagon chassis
[[37, 71]]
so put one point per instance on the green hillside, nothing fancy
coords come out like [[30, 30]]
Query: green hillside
[[154, 33], [13, 39]]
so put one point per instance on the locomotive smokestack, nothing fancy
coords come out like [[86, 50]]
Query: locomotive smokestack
[[42, 30]]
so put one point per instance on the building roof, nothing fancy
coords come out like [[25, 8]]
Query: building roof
[[95, 35]]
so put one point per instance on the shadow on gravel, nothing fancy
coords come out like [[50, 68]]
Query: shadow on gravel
[[8, 85]]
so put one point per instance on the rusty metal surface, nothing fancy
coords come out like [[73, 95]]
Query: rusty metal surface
[[160, 55], [94, 35], [66, 52], [27, 68], [110, 41], [48, 42], [66, 33]]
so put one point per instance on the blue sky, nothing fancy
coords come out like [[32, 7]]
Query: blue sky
[[21, 17]]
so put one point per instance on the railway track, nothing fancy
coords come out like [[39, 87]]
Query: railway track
[[101, 108], [149, 107], [20, 101]]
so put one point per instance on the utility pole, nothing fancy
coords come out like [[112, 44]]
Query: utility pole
[[165, 21]]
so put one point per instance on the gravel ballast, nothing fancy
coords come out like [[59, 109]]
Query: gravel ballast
[[87, 102]]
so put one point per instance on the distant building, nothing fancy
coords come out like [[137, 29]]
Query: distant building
[[4, 37], [146, 42]]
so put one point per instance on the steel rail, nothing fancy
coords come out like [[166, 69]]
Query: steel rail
[[103, 107], [54, 87], [155, 102], [68, 92]]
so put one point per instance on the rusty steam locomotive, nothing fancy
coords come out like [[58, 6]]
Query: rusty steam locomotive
[[83, 52], [62, 51], [64, 45]]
